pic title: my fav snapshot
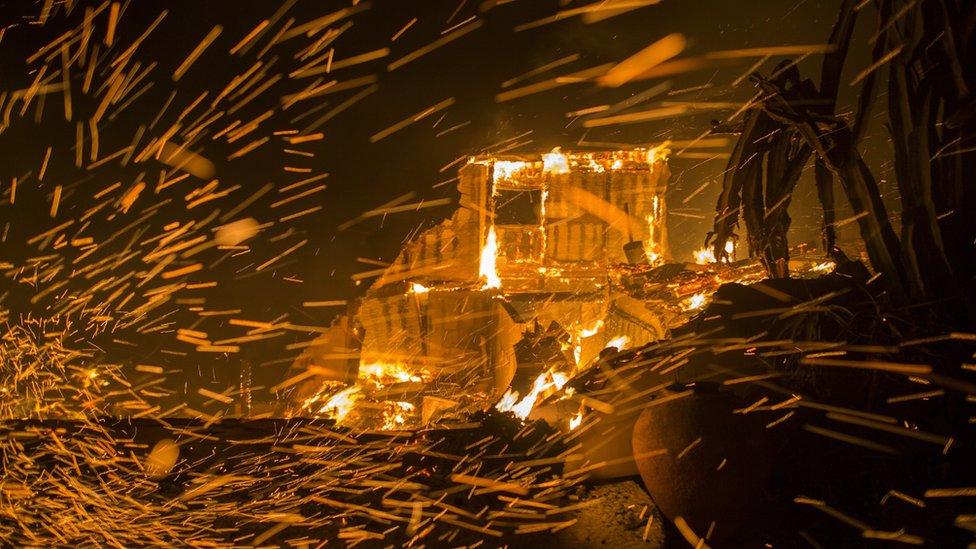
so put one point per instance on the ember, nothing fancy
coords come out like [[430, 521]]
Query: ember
[[492, 273]]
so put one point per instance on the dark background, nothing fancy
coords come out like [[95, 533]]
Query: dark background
[[364, 175]]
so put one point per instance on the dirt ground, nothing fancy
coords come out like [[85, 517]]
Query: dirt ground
[[617, 515]]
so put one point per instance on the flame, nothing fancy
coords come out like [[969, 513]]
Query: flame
[[544, 197], [594, 165], [659, 153], [706, 255], [90, 378], [416, 288], [555, 162], [619, 342], [694, 302], [590, 332], [554, 272], [487, 268], [575, 421], [382, 374], [340, 404], [505, 169], [578, 335], [558, 162], [395, 414], [545, 382], [824, 267], [508, 401], [651, 246]]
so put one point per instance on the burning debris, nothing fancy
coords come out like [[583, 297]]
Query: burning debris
[[571, 260]]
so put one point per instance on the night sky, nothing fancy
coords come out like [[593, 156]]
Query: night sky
[[364, 175]]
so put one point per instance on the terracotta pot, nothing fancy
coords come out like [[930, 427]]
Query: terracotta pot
[[704, 463]]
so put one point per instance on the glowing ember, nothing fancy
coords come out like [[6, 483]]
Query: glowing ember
[[592, 164], [416, 288], [575, 421], [488, 271], [236, 232], [372, 378], [396, 414], [381, 374]]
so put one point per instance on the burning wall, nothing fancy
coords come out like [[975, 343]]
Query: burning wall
[[578, 212]]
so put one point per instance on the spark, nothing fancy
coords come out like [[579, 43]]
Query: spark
[[403, 29], [253, 34], [651, 56], [410, 120], [440, 42]]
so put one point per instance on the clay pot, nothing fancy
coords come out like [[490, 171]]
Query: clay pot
[[716, 465]]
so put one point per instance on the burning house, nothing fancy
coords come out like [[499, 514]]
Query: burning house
[[520, 288]]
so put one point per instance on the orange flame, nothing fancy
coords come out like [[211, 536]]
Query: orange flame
[[575, 421], [660, 152], [339, 405], [694, 302], [706, 255], [488, 271], [555, 162], [396, 413], [619, 342], [382, 374], [545, 383], [506, 169]]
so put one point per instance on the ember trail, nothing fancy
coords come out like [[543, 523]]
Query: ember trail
[[579, 273]]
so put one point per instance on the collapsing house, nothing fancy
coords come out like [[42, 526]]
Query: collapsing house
[[521, 287]]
